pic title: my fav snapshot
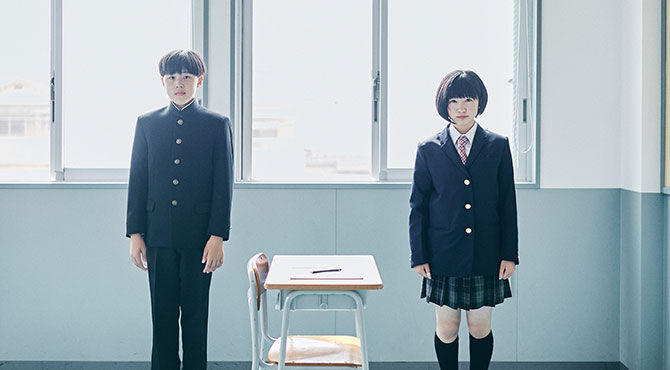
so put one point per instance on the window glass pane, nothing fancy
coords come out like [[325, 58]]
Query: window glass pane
[[24, 90], [111, 51], [425, 43], [311, 90]]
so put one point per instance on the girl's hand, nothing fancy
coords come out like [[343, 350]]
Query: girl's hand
[[506, 269], [423, 270]]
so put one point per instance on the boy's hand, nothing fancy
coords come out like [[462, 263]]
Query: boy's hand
[[506, 269], [213, 255], [423, 270], [138, 251]]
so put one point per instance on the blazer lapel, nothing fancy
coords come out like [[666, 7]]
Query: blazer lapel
[[449, 149], [477, 145]]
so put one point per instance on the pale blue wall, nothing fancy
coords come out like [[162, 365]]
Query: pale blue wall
[[642, 280], [69, 292], [666, 290]]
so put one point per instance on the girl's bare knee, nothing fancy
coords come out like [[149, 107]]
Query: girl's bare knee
[[448, 321], [479, 322], [479, 328], [447, 334]]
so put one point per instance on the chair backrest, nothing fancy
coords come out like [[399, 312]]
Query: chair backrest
[[257, 269]]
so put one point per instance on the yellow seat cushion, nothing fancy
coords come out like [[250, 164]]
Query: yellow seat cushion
[[319, 350]]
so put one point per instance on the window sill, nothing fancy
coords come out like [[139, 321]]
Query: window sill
[[238, 185]]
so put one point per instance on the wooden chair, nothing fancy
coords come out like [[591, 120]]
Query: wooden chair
[[301, 350]]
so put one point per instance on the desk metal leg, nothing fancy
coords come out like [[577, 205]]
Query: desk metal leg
[[284, 331], [360, 327]]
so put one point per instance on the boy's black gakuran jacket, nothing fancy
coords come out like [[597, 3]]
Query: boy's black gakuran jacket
[[181, 177]]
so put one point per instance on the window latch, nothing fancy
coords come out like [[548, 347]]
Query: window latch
[[53, 100], [375, 98]]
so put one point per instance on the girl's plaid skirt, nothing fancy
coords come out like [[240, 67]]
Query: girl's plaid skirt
[[470, 292]]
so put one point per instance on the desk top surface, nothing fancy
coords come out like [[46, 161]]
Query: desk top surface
[[306, 272]]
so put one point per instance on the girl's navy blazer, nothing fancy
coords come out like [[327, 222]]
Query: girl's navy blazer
[[181, 177], [463, 218]]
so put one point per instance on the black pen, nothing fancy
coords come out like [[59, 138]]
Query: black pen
[[330, 270]]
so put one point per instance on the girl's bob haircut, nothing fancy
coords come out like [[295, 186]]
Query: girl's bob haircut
[[180, 61], [460, 84]]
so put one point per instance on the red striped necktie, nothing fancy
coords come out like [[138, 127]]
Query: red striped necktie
[[460, 145]]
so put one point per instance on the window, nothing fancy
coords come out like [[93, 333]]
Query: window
[[110, 54], [329, 91], [311, 90], [334, 91], [422, 53], [24, 91], [76, 122]]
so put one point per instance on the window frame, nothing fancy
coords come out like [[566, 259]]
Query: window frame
[[239, 45], [665, 121], [199, 40], [528, 65]]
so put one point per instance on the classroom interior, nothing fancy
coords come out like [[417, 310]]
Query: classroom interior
[[592, 288]]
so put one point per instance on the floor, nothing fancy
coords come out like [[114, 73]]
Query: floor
[[52, 365]]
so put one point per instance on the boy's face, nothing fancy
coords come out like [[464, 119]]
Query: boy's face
[[181, 87], [463, 111]]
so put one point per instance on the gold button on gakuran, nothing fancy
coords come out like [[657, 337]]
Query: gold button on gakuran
[[468, 230]]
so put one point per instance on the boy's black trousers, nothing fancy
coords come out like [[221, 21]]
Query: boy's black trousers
[[178, 285]]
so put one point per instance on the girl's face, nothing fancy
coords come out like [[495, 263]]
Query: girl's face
[[463, 111]]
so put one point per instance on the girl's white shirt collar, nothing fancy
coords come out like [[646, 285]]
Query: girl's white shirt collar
[[470, 135]]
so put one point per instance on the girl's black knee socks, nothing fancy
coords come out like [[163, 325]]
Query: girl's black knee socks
[[481, 351], [447, 354]]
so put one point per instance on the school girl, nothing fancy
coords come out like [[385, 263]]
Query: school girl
[[463, 221]]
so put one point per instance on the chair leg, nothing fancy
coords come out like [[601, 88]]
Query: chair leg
[[284, 332]]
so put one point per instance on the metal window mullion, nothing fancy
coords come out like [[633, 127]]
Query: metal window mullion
[[529, 137], [245, 69], [199, 40], [532, 62], [235, 74], [380, 60], [521, 93], [374, 75], [56, 132], [536, 18], [526, 139]]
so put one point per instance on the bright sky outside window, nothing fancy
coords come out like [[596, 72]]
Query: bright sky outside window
[[111, 51], [425, 43], [311, 90], [24, 90]]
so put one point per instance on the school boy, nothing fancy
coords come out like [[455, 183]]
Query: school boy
[[179, 200], [463, 221]]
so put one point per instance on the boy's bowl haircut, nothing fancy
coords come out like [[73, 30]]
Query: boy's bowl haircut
[[182, 61]]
